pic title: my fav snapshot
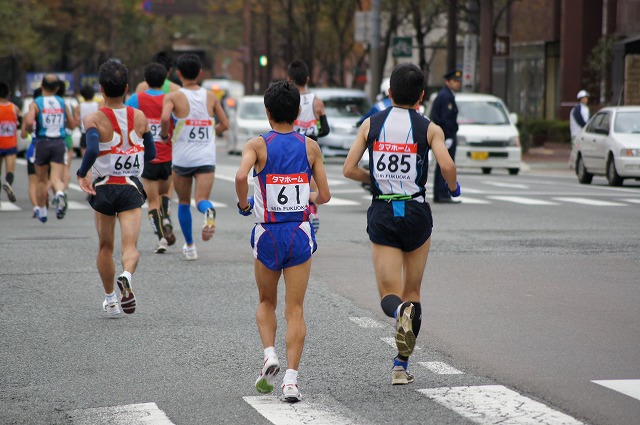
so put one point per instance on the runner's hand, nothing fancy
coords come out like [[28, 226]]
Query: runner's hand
[[246, 211], [455, 192]]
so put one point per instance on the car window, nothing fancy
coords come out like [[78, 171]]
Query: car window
[[595, 122], [346, 106], [627, 122], [252, 111], [605, 123], [482, 113]]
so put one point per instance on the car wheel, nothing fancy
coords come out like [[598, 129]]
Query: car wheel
[[514, 171], [584, 176], [613, 177], [486, 170]]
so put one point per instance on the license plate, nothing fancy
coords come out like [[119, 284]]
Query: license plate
[[479, 156]]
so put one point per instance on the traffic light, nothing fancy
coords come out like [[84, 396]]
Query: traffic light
[[263, 60]]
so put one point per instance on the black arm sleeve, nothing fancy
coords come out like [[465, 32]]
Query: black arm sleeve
[[149, 146], [91, 154], [324, 126]]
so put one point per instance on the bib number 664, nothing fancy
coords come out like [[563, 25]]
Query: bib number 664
[[127, 164]]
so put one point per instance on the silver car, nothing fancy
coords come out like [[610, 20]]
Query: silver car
[[608, 145], [344, 108], [248, 121]]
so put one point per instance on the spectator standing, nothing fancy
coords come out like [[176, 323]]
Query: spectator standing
[[579, 113]]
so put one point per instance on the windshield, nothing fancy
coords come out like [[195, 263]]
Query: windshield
[[482, 113], [627, 122], [252, 111], [346, 106]]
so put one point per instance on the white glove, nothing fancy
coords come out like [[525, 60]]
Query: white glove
[[448, 143]]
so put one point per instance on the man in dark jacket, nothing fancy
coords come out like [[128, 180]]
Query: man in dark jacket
[[444, 112]]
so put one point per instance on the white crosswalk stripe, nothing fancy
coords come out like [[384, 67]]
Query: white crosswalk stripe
[[321, 410], [133, 414], [8, 206], [630, 387], [467, 200], [588, 201], [441, 368], [366, 322], [522, 200]]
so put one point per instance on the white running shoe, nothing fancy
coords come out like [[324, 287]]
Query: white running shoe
[[209, 227], [405, 338], [111, 308], [162, 246], [189, 252], [400, 376], [291, 393], [10, 194], [270, 368]]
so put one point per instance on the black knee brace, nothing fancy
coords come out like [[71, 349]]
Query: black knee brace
[[417, 318], [389, 304]]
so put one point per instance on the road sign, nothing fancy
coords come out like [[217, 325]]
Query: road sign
[[469, 66], [363, 27], [501, 45], [402, 47]]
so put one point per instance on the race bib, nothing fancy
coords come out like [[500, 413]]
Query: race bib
[[7, 128], [154, 127], [395, 161], [53, 118], [307, 128], [287, 192], [126, 163], [198, 131]]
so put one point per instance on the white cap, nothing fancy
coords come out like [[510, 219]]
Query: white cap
[[384, 86], [581, 94]]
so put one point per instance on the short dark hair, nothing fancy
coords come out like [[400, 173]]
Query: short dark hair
[[62, 88], [37, 92], [407, 83], [50, 82], [189, 66], [87, 92], [4, 90], [164, 59], [298, 72], [155, 74], [282, 100], [113, 76]]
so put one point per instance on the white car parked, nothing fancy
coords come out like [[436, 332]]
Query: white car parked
[[608, 145], [487, 133], [249, 121]]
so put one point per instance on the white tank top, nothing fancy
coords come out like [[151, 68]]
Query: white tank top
[[194, 137], [306, 123], [87, 108], [123, 156]]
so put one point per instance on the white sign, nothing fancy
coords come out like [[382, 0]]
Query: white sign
[[363, 27], [470, 58]]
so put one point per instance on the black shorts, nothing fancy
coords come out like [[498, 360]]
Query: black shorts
[[157, 171], [405, 225], [191, 171], [50, 150], [111, 199], [31, 168]]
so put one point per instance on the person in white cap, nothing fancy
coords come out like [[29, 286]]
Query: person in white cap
[[579, 114]]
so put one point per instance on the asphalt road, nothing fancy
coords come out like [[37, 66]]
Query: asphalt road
[[531, 294]]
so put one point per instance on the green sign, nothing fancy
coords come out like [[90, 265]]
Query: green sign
[[402, 47]]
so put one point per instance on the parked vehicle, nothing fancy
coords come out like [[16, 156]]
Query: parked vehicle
[[608, 145], [487, 133], [249, 121], [227, 91], [343, 108]]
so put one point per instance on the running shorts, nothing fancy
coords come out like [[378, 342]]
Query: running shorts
[[157, 171], [50, 150], [282, 245], [191, 171], [111, 199], [405, 225], [8, 152]]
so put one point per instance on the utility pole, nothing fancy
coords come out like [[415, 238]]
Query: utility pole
[[452, 26], [248, 48], [486, 45], [374, 51]]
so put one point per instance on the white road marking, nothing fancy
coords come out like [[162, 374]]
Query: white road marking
[[339, 202], [510, 185], [633, 201], [366, 322], [133, 414], [278, 412], [467, 200], [441, 368], [392, 343], [75, 205], [630, 387], [522, 200], [593, 202], [496, 404], [8, 206], [466, 189], [336, 182]]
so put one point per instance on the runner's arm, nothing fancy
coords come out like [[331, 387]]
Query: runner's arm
[[323, 194], [218, 112], [321, 117], [249, 159], [350, 169], [165, 118], [435, 137]]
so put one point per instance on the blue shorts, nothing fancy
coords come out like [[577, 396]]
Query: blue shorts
[[405, 225], [282, 245], [8, 152]]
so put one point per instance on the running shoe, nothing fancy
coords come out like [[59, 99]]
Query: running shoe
[[111, 308], [189, 252], [405, 338], [167, 227], [400, 376], [42, 219], [271, 367], [7, 188], [162, 246], [128, 300], [313, 217], [209, 227], [61, 206], [291, 393]]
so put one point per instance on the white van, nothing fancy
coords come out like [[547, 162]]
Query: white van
[[487, 133]]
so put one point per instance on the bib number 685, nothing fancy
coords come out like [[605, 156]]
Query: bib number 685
[[393, 163]]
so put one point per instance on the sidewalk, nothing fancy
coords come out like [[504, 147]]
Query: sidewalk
[[550, 157]]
